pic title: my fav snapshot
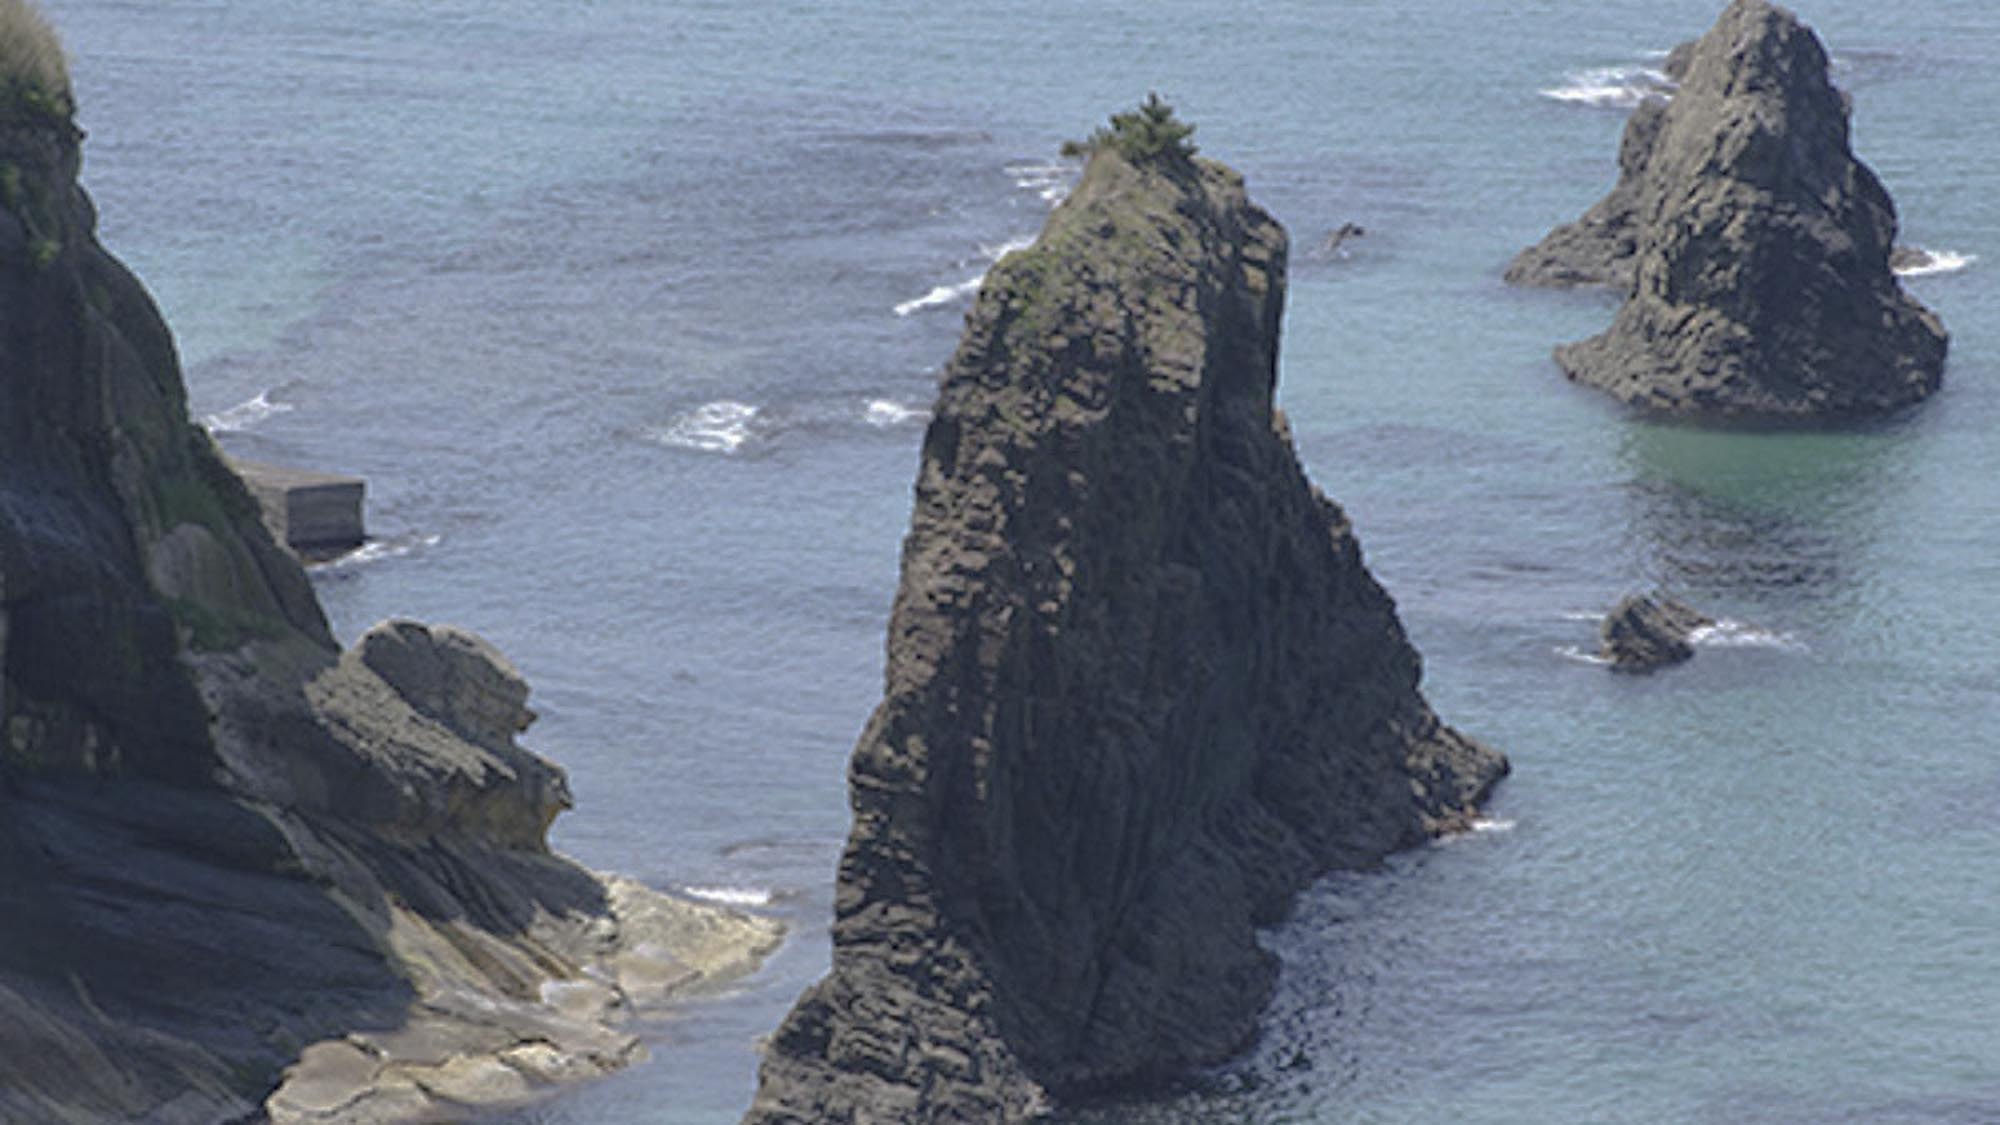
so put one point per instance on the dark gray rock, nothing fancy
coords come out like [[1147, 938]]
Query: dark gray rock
[[1600, 247], [226, 847], [1648, 632], [1140, 688], [1753, 245]]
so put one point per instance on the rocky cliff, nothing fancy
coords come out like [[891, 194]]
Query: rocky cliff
[[1140, 686], [242, 872], [1753, 245]]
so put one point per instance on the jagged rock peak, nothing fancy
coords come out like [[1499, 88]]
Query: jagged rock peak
[[1140, 687], [1754, 247]]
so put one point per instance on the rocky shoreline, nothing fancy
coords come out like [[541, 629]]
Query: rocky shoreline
[[245, 874], [1140, 689]]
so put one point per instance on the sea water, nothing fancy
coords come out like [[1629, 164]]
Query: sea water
[[630, 314]]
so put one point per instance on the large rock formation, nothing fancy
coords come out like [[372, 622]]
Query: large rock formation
[[1753, 245], [243, 872], [1140, 686]]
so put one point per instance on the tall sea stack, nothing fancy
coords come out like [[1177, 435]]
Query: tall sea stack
[[242, 873], [1140, 687], [1754, 247]]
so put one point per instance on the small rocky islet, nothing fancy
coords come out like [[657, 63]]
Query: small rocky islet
[[1647, 632], [1753, 247], [1140, 690]]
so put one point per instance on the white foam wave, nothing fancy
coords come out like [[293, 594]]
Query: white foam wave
[[1049, 180], [1582, 656], [1478, 826], [947, 294], [244, 415], [1935, 262], [713, 427], [1611, 87], [1735, 634], [997, 251], [883, 413], [730, 896], [1581, 615], [376, 550], [941, 295]]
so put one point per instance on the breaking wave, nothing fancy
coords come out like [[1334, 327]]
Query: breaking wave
[[1050, 180], [377, 550], [731, 896], [1612, 87], [245, 414], [1726, 633], [883, 413], [714, 427], [942, 295], [1925, 263]]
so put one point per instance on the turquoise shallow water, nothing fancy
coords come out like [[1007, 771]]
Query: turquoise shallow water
[[602, 298]]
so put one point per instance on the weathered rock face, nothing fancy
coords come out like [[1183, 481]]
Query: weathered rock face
[[226, 846], [1754, 247], [1647, 632], [1601, 246], [1140, 688]]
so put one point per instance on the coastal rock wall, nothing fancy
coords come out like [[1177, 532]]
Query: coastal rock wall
[[1754, 246], [1140, 687], [242, 872]]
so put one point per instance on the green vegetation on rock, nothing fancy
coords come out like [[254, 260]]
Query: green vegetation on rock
[[29, 201], [32, 66], [1148, 133], [222, 628]]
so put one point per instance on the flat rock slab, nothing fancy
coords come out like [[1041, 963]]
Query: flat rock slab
[[315, 514]]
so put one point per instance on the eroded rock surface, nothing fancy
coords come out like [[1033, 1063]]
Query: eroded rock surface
[[1645, 632], [1140, 688], [242, 872], [1754, 246]]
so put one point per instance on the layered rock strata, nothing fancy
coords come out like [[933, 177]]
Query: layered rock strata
[[1753, 245], [243, 873], [1647, 632], [1140, 687]]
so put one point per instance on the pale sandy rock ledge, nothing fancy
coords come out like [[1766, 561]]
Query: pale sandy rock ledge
[[463, 1052]]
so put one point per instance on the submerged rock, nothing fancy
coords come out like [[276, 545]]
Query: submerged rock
[[1140, 688], [1648, 632], [243, 873], [1753, 245]]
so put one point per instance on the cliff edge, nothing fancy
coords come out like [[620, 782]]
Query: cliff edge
[[242, 873], [1140, 687], [1753, 245]]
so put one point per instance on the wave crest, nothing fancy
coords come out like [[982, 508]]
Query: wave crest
[[713, 427], [1612, 87], [245, 415]]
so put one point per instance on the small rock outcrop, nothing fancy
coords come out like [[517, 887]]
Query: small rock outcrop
[[1753, 246], [1646, 632], [1140, 687], [243, 874]]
